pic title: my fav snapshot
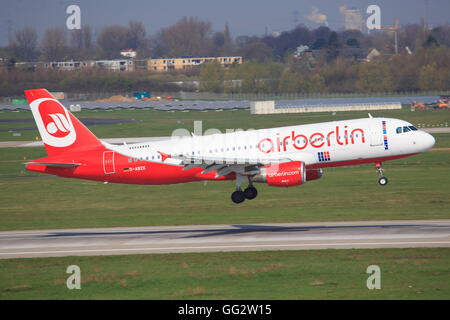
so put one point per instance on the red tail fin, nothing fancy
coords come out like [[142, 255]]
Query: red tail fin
[[60, 131]]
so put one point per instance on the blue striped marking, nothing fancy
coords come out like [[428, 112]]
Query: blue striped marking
[[386, 146], [323, 156]]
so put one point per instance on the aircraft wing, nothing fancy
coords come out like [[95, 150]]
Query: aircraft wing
[[225, 166]]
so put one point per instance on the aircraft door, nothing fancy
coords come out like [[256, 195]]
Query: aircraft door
[[108, 162], [376, 133]]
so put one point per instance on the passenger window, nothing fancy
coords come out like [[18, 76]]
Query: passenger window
[[399, 130]]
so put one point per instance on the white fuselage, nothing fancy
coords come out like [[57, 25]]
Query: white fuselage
[[325, 143]]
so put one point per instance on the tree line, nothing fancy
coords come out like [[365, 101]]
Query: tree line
[[188, 37], [191, 36], [427, 69], [272, 63]]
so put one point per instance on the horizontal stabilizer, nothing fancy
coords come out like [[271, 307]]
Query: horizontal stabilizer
[[56, 164]]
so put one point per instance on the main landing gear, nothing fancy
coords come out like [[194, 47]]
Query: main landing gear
[[382, 180], [249, 193]]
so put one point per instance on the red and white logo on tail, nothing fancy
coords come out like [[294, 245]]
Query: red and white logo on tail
[[59, 129], [54, 122]]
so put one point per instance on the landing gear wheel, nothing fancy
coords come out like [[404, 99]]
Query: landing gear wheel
[[250, 193], [238, 196], [383, 181]]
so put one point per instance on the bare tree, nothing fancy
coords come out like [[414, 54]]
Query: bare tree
[[228, 46], [113, 39], [81, 42], [81, 39], [24, 45], [54, 44], [189, 36], [258, 51], [223, 43], [136, 35]]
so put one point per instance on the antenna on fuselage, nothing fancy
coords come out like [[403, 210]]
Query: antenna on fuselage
[[370, 116]]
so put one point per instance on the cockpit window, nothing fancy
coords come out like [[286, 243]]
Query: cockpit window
[[405, 129]]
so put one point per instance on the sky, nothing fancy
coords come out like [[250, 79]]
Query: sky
[[244, 17]]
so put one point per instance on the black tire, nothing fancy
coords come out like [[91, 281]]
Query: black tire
[[250, 193], [383, 181], [238, 196]]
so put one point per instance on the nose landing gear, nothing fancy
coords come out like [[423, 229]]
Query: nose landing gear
[[382, 180]]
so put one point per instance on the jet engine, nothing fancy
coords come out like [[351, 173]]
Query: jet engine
[[313, 174], [285, 174]]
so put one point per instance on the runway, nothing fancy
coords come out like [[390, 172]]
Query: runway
[[208, 238]]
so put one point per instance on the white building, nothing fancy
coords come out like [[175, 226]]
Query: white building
[[128, 53], [115, 65]]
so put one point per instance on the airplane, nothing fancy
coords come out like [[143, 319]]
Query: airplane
[[282, 157]]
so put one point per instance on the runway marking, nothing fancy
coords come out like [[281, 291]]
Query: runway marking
[[229, 247]]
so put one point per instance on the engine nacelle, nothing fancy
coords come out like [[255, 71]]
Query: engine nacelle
[[313, 174], [285, 174]]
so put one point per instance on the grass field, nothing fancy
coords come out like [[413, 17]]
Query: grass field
[[151, 123], [329, 274]]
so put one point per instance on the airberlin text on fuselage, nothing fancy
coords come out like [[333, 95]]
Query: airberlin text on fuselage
[[316, 140]]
